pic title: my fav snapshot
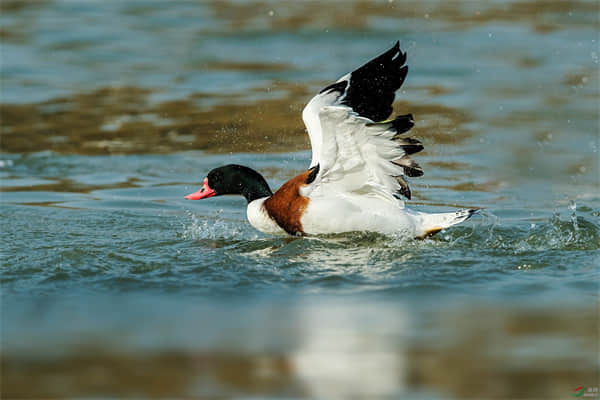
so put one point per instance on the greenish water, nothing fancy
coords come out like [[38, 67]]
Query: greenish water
[[113, 285], [138, 271]]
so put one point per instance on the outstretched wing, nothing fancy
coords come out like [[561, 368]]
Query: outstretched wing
[[363, 157], [349, 145], [369, 91]]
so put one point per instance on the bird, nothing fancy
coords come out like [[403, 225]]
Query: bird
[[358, 173]]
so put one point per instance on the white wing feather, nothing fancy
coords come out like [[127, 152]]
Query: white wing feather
[[310, 116], [356, 157]]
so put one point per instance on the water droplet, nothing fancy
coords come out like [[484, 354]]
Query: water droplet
[[573, 208]]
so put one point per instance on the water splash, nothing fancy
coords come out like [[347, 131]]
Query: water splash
[[579, 232], [215, 228], [573, 208]]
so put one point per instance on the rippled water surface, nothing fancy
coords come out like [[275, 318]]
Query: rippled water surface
[[113, 285]]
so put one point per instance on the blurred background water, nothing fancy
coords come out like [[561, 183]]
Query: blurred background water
[[112, 285]]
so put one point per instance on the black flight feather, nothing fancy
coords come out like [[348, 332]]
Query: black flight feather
[[404, 189], [410, 166], [410, 145], [314, 171], [403, 123], [337, 87], [372, 87]]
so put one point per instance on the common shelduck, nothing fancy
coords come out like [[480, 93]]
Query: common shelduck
[[358, 168]]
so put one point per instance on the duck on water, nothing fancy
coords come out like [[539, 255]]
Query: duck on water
[[358, 170]]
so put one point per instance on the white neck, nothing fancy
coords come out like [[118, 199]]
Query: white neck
[[260, 219]]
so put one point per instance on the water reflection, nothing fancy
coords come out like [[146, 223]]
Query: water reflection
[[300, 348]]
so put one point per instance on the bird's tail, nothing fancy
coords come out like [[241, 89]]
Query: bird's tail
[[430, 224]]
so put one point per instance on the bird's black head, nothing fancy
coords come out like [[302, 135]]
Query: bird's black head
[[233, 179]]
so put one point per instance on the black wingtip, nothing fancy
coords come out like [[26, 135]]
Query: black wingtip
[[373, 86], [314, 171], [403, 123], [401, 59], [395, 54], [410, 166], [402, 74], [335, 87], [410, 145], [398, 54], [404, 189], [405, 192]]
